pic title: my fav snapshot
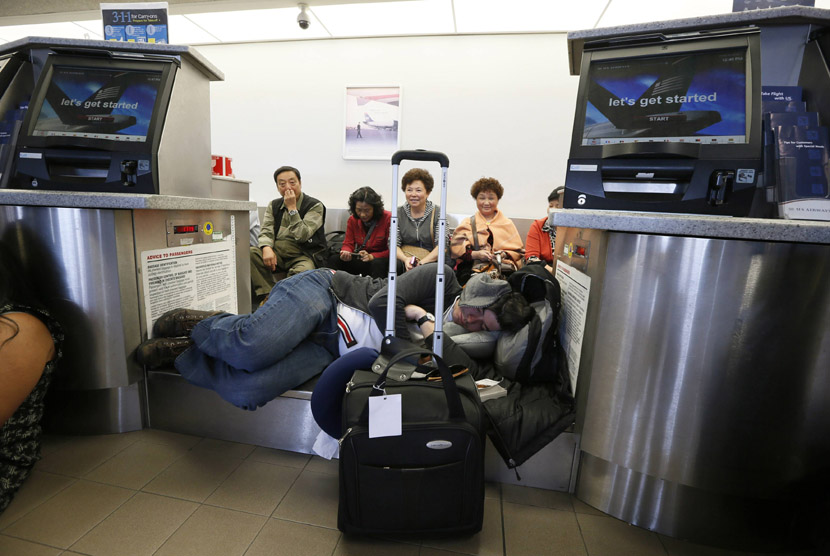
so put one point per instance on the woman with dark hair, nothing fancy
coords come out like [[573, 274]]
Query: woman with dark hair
[[29, 348], [418, 225], [540, 245], [365, 250], [478, 240]]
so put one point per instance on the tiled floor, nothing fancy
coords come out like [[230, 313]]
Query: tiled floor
[[159, 493]]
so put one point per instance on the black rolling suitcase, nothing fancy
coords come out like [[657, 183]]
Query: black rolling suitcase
[[429, 480]]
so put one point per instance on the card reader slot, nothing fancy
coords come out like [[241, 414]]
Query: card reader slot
[[643, 187], [78, 171], [617, 172]]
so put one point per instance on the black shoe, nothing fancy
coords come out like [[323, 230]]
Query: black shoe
[[179, 322], [161, 352]]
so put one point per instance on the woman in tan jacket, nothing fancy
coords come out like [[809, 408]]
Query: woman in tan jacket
[[479, 238]]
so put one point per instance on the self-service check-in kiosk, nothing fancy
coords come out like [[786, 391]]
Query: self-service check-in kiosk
[[668, 123], [121, 119], [105, 170]]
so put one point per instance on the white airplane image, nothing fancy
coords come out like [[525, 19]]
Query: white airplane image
[[380, 115]]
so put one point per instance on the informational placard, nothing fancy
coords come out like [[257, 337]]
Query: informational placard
[[200, 276], [135, 22], [576, 287]]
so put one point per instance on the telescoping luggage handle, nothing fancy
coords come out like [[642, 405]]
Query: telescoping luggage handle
[[456, 410], [444, 161]]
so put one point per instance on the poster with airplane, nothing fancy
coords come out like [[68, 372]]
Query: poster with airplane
[[372, 122]]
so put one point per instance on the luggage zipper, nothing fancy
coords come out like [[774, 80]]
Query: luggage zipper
[[511, 463], [421, 425], [342, 438]]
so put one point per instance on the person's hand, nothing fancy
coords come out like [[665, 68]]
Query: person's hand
[[365, 256], [482, 255], [345, 255], [290, 199], [414, 312], [269, 257], [410, 263]]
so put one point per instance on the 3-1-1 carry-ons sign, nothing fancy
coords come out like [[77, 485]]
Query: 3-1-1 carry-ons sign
[[141, 22]]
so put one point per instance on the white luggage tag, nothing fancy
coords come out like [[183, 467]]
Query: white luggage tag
[[385, 415]]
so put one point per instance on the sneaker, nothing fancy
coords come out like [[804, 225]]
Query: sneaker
[[161, 352], [179, 322]]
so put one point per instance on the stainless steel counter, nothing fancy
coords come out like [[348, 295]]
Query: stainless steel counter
[[704, 393], [84, 249], [694, 225], [117, 201]]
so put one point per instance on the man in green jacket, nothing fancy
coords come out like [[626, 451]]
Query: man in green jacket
[[292, 237]]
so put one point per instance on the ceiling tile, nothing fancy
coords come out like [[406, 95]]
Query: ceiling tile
[[627, 12], [387, 18], [494, 16], [64, 30], [257, 25]]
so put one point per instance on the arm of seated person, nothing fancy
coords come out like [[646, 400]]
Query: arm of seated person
[[452, 354], [22, 358], [269, 258], [431, 257], [405, 259]]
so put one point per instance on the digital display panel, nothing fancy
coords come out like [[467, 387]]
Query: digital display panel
[[695, 97], [186, 229], [98, 103]]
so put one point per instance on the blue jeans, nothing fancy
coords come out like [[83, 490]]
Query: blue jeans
[[251, 359]]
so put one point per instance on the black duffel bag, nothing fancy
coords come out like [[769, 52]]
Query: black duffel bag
[[430, 479]]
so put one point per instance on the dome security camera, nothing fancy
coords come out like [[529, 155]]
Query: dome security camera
[[302, 18]]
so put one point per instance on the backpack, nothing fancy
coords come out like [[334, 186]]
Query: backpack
[[334, 242], [534, 354]]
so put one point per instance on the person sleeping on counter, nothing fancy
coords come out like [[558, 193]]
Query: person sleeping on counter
[[312, 318]]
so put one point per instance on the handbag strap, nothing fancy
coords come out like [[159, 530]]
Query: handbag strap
[[368, 235], [552, 238], [456, 410], [475, 233], [432, 227]]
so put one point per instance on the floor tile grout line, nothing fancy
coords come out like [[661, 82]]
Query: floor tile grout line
[[170, 536], [503, 530], [293, 483], [581, 534], [33, 508], [253, 540], [39, 543], [663, 544], [226, 477], [317, 525], [133, 444], [88, 531], [340, 540]]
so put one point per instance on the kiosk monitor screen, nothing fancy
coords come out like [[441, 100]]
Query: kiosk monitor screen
[[98, 103], [696, 97]]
